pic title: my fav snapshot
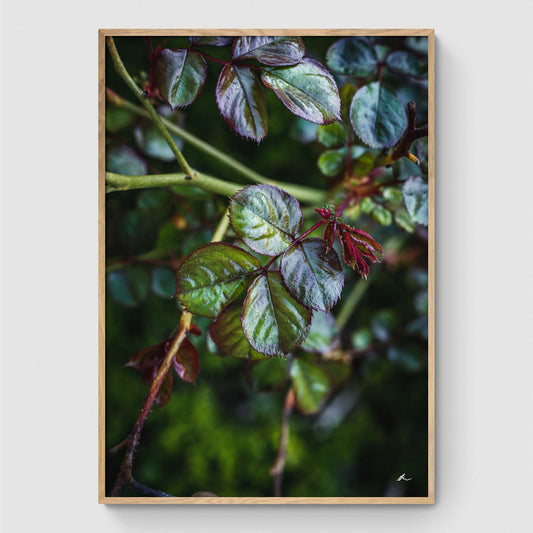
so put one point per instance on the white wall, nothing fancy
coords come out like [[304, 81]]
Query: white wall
[[484, 217]]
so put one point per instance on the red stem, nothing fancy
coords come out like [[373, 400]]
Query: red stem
[[296, 241]]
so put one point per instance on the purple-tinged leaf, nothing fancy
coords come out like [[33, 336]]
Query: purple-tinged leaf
[[186, 364], [211, 40], [407, 64], [227, 333], [352, 56], [266, 218], [241, 101], [312, 275], [180, 75], [378, 116], [273, 321], [274, 51], [213, 276], [307, 89]]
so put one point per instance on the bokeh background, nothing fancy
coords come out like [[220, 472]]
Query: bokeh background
[[222, 434]]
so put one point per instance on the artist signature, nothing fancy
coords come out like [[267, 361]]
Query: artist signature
[[403, 478]]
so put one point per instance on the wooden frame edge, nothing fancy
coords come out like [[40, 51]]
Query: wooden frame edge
[[380, 500]]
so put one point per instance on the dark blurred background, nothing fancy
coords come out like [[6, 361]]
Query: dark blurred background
[[222, 434]]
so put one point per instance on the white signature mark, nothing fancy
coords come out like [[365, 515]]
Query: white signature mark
[[403, 478]]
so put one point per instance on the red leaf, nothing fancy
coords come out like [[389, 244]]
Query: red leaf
[[186, 364], [165, 392], [148, 357]]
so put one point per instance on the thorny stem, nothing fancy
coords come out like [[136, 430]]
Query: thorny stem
[[410, 136], [124, 74], [305, 194], [277, 470], [125, 475]]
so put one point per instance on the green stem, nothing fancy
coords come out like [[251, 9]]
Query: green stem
[[121, 182], [124, 74], [222, 227], [350, 303], [305, 194]]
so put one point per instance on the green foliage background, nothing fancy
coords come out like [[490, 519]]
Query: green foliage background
[[222, 434]]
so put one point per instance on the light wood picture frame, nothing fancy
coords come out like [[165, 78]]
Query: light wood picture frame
[[104, 498]]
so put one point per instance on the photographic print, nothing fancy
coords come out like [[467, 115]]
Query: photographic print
[[266, 203]]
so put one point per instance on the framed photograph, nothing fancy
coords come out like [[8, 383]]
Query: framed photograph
[[266, 266]]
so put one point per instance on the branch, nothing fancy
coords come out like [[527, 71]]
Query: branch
[[125, 475], [277, 470], [124, 74], [305, 194], [121, 182], [410, 136]]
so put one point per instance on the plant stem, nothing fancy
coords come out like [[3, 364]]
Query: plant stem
[[124, 74], [122, 182], [350, 303], [305, 194], [277, 470], [222, 227], [295, 242], [125, 475]]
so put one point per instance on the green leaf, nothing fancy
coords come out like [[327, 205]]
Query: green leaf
[[138, 231], [211, 40], [153, 144], [311, 386], [273, 321], [123, 160], [331, 135], [367, 205], [227, 333], [266, 218], [307, 89], [347, 93], [362, 339], [331, 162], [323, 335], [392, 195], [117, 118], [352, 56], [313, 276], [407, 64], [129, 286], [303, 131], [403, 220], [418, 45], [212, 277], [415, 197], [180, 76], [382, 215], [163, 281], [241, 101], [378, 117], [269, 375], [274, 51], [363, 164]]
